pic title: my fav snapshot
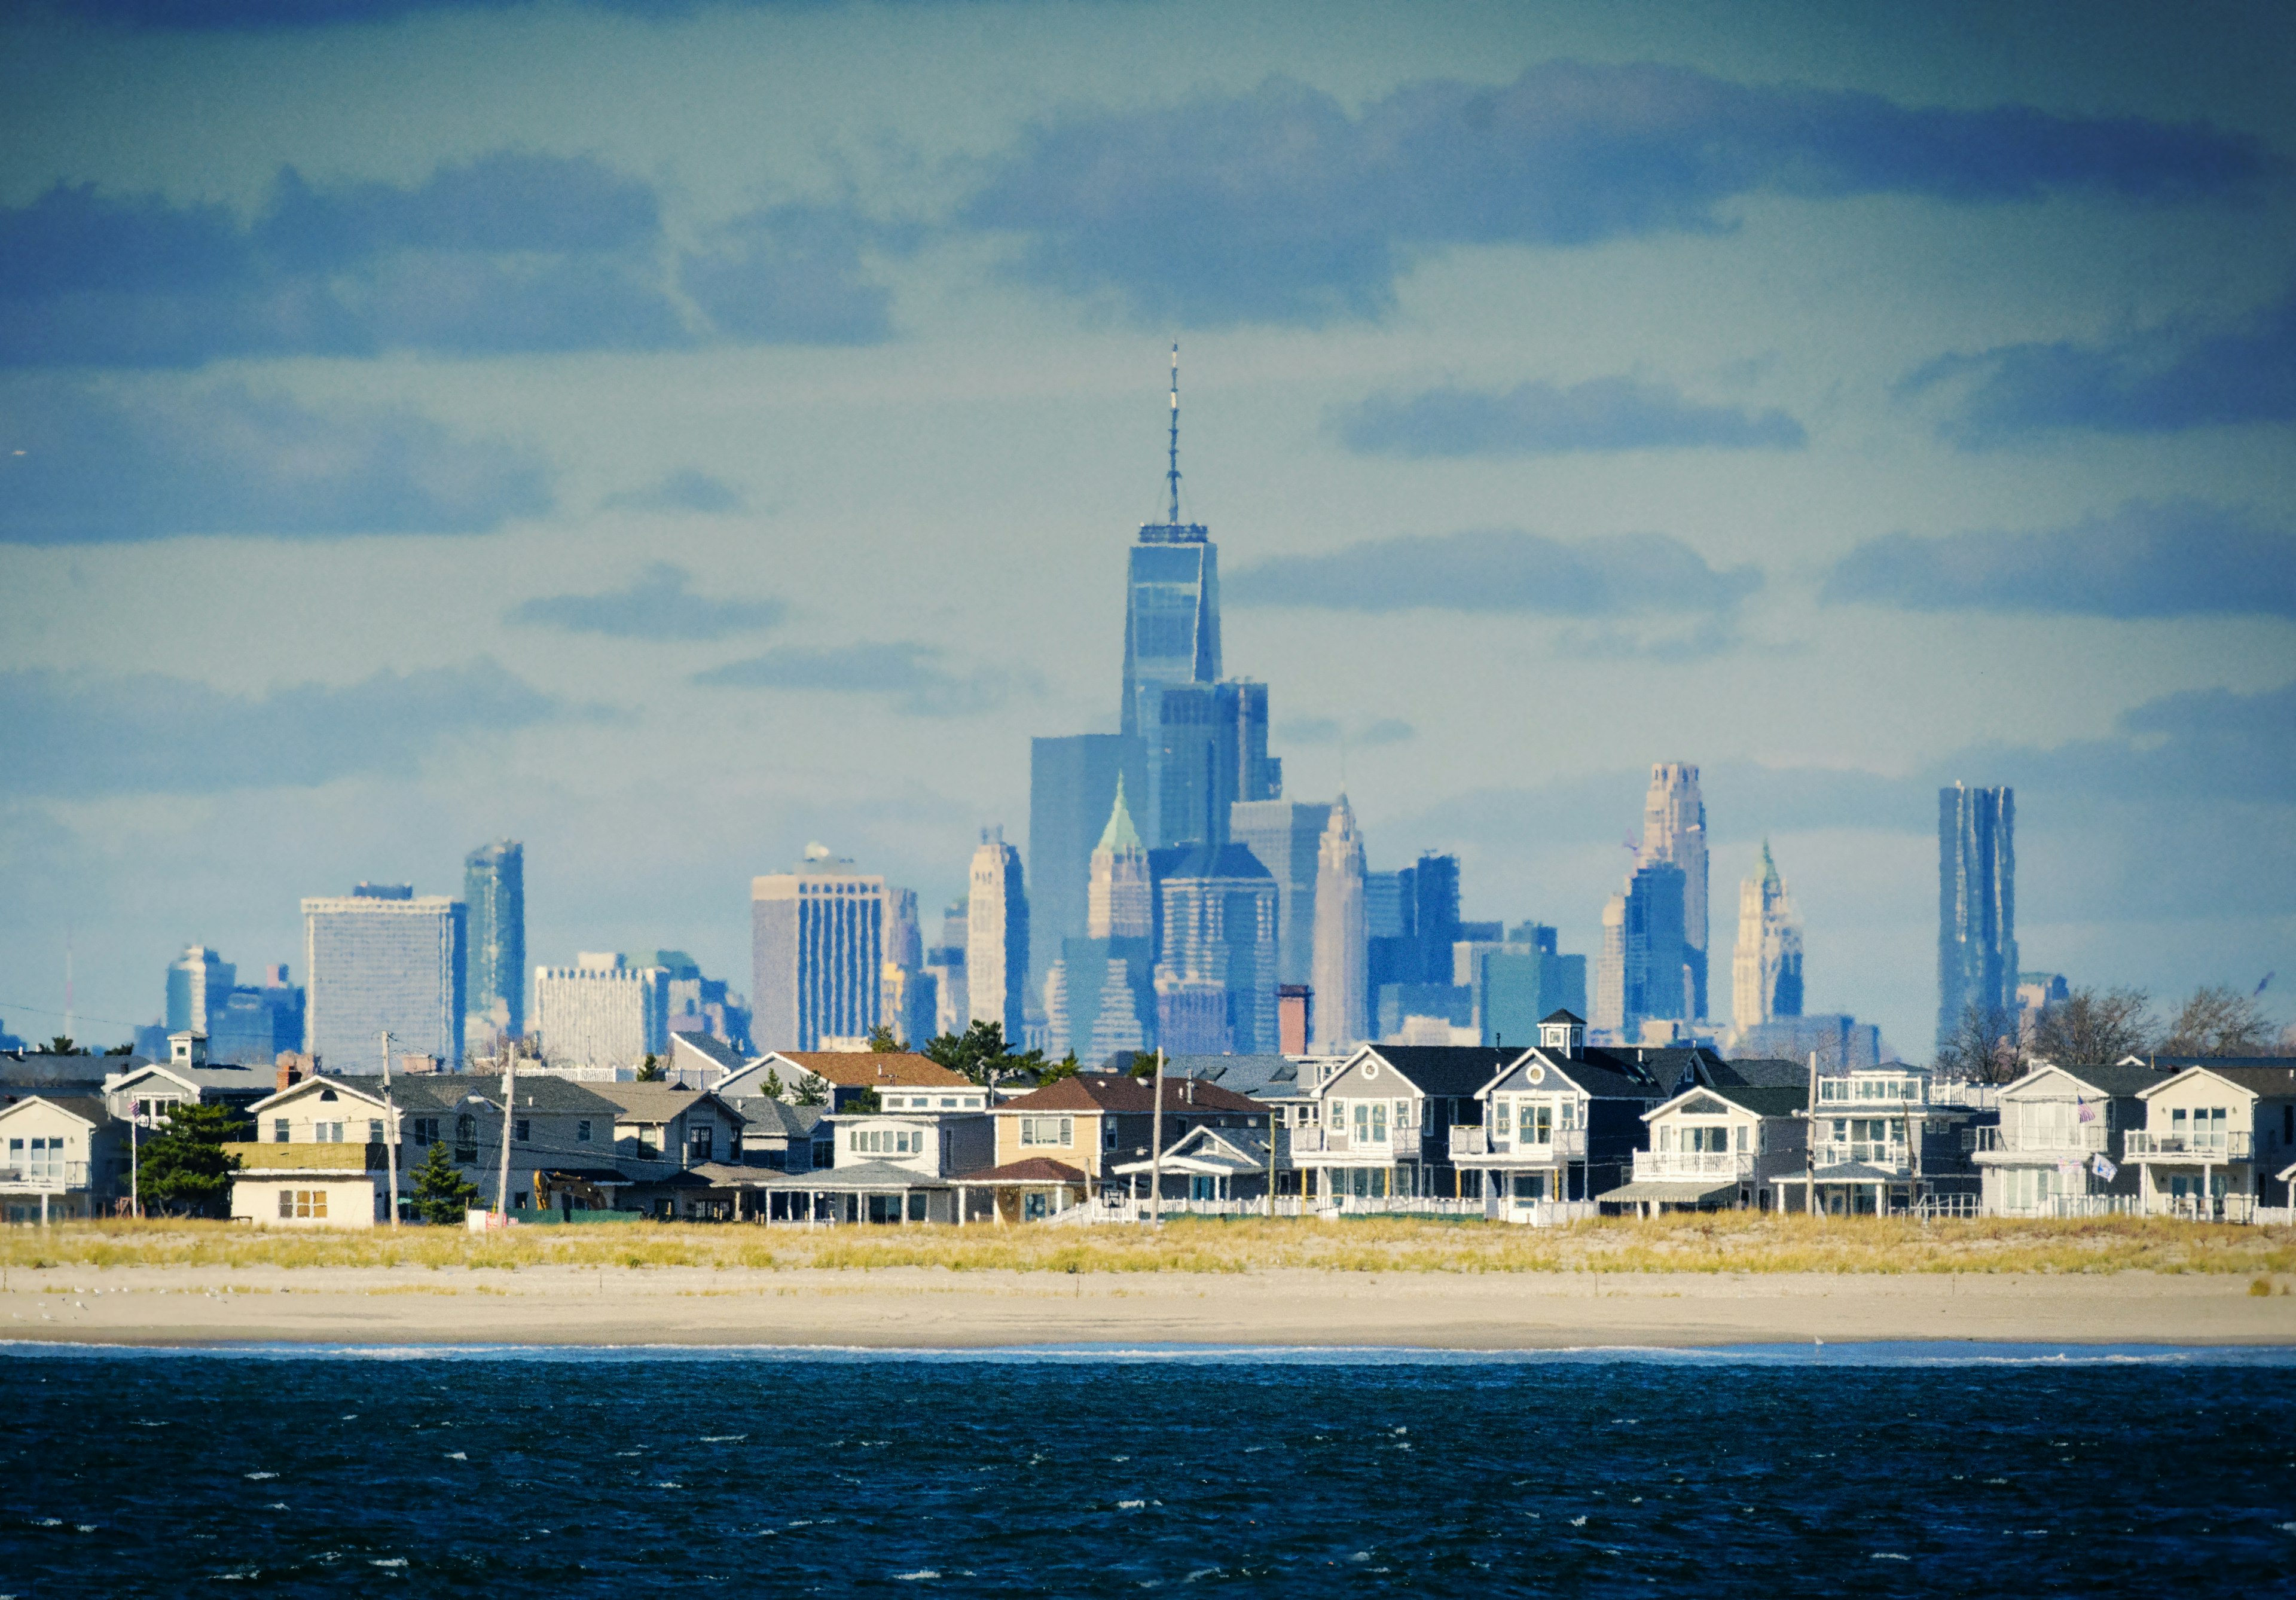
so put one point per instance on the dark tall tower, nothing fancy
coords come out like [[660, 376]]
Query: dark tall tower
[[1660, 980], [494, 887], [1976, 905], [1435, 918], [1072, 790]]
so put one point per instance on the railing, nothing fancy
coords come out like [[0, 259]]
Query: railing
[[308, 1156], [55, 1176], [1693, 1163], [1930, 1208], [2231, 1145], [2198, 1208], [2083, 1136], [1317, 1140], [1890, 1157], [1472, 1142]]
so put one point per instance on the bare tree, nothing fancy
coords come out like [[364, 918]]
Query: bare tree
[[2219, 1021], [1982, 1047], [2091, 1027]]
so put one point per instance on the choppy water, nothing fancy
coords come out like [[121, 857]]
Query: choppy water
[[1862, 1469]]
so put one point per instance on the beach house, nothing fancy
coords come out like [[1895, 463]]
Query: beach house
[[2058, 1148], [1057, 1144], [1556, 1124], [1384, 1119], [66, 1156], [1723, 1146], [2212, 1136], [1879, 1144]]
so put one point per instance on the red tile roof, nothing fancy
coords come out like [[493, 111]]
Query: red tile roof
[[1120, 1092], [1031, 1169]]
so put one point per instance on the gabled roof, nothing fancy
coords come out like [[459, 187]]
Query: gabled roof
[[1596, 1073], [215, 1077], [2119, 1080], [1447, 1071], [1210, 1150], [1561, 1014], [712, 1049], [761, 1113], [856, 1175], [658, 1102], [868, 1069], [1121, 1093], [1762, 1071], [88, 1108], [2276, 1079], [1033, 1169]]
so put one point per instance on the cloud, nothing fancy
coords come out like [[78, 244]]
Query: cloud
[[790, 274], [511, 252], [910, 673], [1388, 730], [1542, 419], [2179, 374], [688, 488], [89, 465], [1325, 730], [659, 603], [73, 736], [1500, 569], [1277, 205], [2177, 558]]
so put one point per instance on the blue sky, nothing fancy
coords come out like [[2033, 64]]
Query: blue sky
[[669, 434]]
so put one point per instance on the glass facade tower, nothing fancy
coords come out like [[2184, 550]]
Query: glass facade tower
[[494, 887]]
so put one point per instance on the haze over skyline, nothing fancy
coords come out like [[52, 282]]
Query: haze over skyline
[[670, 434]]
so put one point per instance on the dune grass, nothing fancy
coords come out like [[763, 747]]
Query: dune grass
[[1736, 1241]]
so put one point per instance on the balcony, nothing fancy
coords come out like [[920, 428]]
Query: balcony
[[1474, 1143], [304, 1156], [1317, 1140], [2048, 1139], [2211, 1146], [1677, 1164], [1892, 1158], [49, 1177]]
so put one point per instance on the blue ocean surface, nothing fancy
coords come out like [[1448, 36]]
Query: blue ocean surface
[[1881, 1470]]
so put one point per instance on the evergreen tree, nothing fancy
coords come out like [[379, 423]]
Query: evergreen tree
[[882, 1041], [441, 1193], [773, 1087], [812, 1089], [183, 1170], [651, 1071]]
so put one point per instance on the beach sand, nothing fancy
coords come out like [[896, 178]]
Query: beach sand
[[928, 1307]]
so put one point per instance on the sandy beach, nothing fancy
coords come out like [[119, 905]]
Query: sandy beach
[[928, 1308]]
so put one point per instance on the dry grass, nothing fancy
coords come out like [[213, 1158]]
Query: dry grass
[[1736, 1241]]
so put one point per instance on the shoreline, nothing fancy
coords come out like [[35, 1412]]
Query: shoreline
[[927, 1309]]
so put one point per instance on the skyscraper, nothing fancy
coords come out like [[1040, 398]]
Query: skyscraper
[[253, 1025], [1977, 906], [1435, 917], [1172, 612], [817, 943], [996, 936], [1287, 836], [1071, 784], [1644, 972], [377, 959], [944, 966], [909, 1004], [1765, 964], [602, 1010], [494, 887], [199, 982], [1101, 999], [1674, 832], [1340, 955], [1215, 951]]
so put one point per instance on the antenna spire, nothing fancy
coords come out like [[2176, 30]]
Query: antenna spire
[[1172, 474]]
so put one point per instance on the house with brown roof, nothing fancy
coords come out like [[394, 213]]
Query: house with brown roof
[[898, 1080], [1088, 1124]]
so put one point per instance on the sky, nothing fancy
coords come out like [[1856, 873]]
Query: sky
[[670, 434]]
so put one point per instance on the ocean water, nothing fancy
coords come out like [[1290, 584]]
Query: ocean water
[[1880, 1470]]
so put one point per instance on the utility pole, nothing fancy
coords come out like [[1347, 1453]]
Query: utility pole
[[1272, 1115], [389, 1131], [1156, 1145], [1809, 1141], [510, 1104], [135, 1167]]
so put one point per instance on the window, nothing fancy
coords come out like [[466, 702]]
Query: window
[[1048, 1130], [700, 1141], [948, 1100], [374, 1130], [426, 1131], [520, 1132], [280, 1130], [1363, 1120], [582, 1131], [1378, 1123], [466, 1138], [1541, 1130], [298, 1203], [1402, 1115], [1107, 1133]]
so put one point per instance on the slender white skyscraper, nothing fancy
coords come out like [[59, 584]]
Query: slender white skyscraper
[[1674, 832], [1766, 966], [1119, 903], [1609, 1007], [1341, 971], [996, 936]]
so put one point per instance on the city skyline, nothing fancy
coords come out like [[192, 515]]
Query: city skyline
[[1938, 436]]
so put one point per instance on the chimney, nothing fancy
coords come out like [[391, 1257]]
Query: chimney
[[290, 1070], [1295, 1005]]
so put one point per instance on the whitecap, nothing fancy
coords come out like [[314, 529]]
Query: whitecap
[[457, 1455], [1130, 1505], [1577, 1522], [388, 1561], [1890, 1556], [723, 1438], [666, 1484], [258, 1477], [916, 1577]]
